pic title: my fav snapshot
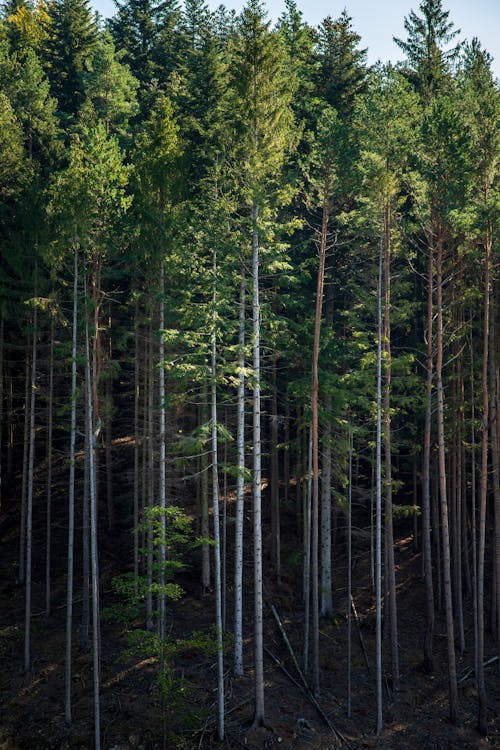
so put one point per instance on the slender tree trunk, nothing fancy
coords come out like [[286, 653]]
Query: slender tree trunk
[[326, 515], [349, 577], [50, 422], [315, 442], [24, 483], [259, 717], [29, 499], [150, 486], [378, 503], [426, 471], [442, 486], [240, 486], [307, 506], [389, 534], [215, 494], [205, 518], [275, 492], [109, 435], [482, 717], [495, 464], [84, 626], [71, 497], [162, 458], [474, 508], [137, 395], [91, 442]]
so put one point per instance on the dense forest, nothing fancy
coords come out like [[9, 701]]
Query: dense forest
[[249, 381]]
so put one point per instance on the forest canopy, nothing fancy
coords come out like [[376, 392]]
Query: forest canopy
[[248, 360]]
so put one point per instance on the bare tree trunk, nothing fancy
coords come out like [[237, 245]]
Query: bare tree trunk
[[389, 534], [205, 518], [442, 486], [71, 497], [84, 625], [275, 493], [50, 422], [29, 499], [378, 503], [474, 509], [315, 442], [137, 394], [109, 435], [162, 458], [307, 503], [215, 497], [240, 486], [150, 486], [259, 717], [24, 483], [326, 515], [349, 577], [495, 465], [91, 442]]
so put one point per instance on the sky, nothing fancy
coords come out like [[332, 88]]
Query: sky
[[377, 21]]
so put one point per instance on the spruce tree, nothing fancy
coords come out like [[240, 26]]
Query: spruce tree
[[72, 35]]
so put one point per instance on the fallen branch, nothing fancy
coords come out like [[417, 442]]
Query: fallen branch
[[469, 672], [305, 687], [358, 624]]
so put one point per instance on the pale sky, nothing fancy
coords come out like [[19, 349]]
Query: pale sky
[[377, 21]]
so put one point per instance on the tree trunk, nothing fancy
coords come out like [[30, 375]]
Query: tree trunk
[[91, 442], [442, 486], [389, 534], [50, 422], [29, 498], [240, 487], [275, 492], [349, 577], [378, 503], [137, 394], [24, 483], [215, 498], [315, 442], [71, 497], [326, 515], [495, 464], [205, 518], [259, 717], [162, 458]]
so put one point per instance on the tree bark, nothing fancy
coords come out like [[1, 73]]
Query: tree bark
[[240, 486], [29, 498], [452, 674], [71, 497], [259, 717], [215, 499], [50, 423], [389, 534], [378, 503], [91, 442], [315, 442]]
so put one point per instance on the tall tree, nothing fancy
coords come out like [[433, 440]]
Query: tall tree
[[72, 35], [263, 125]]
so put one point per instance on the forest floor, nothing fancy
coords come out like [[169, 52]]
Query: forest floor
[[32, 706]]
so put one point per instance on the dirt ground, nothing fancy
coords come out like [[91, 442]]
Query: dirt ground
[[32, 706]]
